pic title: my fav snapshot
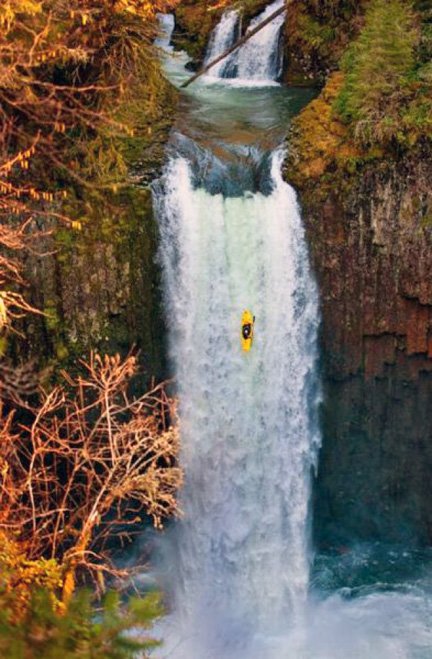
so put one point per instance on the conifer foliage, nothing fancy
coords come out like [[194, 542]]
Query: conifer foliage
[[384, 96], [378, 63]]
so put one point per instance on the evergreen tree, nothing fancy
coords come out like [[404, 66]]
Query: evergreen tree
[[378, 65]]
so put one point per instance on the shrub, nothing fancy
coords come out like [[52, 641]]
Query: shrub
[[113, 632], [90, 463]]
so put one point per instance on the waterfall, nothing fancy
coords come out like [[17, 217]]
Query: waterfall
[[166, 29], [259, 59], [222, 38], [248, 421]]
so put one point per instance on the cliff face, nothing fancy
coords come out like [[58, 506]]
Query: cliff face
[[99, 289], [371, 244]]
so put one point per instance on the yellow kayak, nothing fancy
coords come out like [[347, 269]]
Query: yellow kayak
[[247, 330]]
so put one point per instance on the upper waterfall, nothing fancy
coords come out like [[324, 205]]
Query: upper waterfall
[[222, 38], [259, 60], [166, 29]]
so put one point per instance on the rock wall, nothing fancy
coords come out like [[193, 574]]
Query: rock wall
[[371, 245], [99, 289]]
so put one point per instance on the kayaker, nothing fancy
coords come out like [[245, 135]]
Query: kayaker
[[246, 331]]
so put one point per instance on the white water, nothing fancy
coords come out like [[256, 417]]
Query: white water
[[166, 29], [258, 60], [383, 625], [222, 38], [248, 421]]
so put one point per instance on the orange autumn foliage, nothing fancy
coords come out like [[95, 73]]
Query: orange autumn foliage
[[89, 463]]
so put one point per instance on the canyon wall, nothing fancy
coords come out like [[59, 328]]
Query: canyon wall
[[370, 237], [98, 289]]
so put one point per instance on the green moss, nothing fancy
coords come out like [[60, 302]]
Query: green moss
[[316, 34], [52, 319], [62, 352], [318, 142], [3, 345]]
